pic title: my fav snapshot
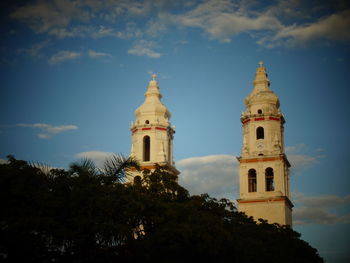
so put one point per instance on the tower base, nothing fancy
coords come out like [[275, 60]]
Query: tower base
[[274, 210]]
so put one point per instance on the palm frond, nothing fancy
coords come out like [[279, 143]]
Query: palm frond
[[84, 166], [117, 166], [43, 167]]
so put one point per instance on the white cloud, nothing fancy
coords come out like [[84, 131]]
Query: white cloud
[[299, 160], [280, 23], [322, 200], [63, 56], [35, 50], [223, 20], [156, 27], [131, 31], [94, 54], [296, 148], [144, 48], [216, 175], [333, 27], [82, 31], [312, 215], [43, 17], [48, 130], [44, 136], [60, 17], [318, 209], [103, 32], [98, 157]]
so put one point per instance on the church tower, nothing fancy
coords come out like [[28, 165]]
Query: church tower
[[152, 133], [264, 167]]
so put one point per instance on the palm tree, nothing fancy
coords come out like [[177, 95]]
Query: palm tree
[[114, 170], [118, 167]]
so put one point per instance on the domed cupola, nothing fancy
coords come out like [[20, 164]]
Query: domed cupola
[[262, 99], [152, 111]]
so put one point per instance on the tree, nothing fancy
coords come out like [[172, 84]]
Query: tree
[[84, 214], [64, 215]]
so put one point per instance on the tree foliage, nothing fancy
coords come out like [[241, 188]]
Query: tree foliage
[[87, 215]]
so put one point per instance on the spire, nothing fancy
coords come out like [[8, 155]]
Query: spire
[[153, 110], [261, 81], [261, 93], [153, 88]]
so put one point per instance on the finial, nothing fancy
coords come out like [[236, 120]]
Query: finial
[[154, 76], [261, 63]]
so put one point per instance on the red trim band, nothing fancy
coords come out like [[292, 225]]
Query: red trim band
[[150, 128], [264, 159], [261, 119]]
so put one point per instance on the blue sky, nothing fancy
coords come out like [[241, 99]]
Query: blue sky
[[73, 72]]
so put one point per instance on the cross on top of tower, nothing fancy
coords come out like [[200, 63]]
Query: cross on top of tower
[[154, 76], [261, 63]]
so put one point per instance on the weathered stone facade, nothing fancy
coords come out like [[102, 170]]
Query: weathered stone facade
[[264, 167], [152, 133]]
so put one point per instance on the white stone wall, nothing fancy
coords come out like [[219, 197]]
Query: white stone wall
[[280, 185], [272, 211], [153, 120], [262, 110]]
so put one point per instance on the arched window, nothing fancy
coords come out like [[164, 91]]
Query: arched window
[[269, 179], [252, 180], [259, 111], [146, 148], [260, 133]]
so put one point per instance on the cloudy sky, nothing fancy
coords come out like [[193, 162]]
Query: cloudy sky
[[73, 72]]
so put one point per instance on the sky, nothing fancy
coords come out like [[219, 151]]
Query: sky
[[73, 72]]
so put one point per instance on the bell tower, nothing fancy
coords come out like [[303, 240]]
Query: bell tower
[[264, 167], [152, 133]]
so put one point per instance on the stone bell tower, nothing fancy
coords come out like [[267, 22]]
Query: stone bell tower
[[152, 133], [264, 167]]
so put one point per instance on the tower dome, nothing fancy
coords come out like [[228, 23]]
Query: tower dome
[[153, 110], [261, 99]]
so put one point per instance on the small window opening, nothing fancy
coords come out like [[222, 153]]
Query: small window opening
[[269, 179], [146, 148], [260, 154], [147, 121], [259, 111], [260, 133], [252, 180]]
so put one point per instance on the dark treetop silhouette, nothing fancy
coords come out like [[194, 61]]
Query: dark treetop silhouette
[[88, 215]]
